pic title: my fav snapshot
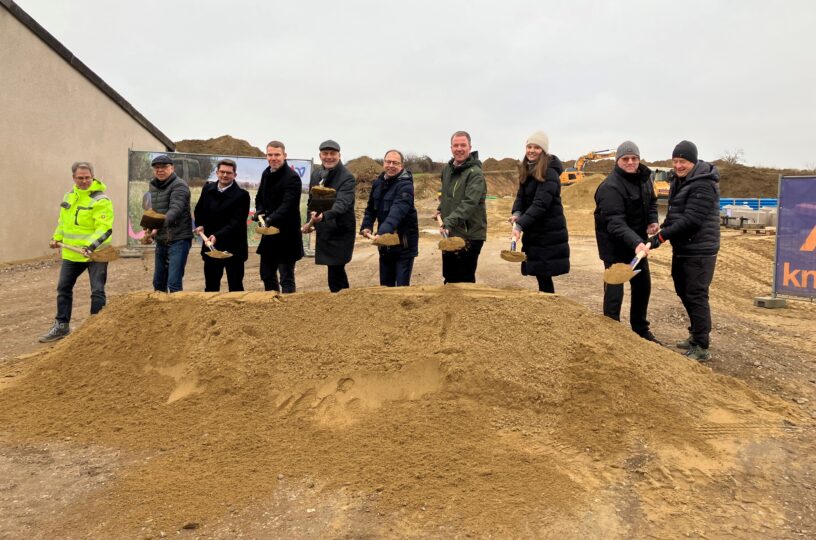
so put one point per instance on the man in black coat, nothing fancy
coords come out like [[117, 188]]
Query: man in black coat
[[692, 225], [336, 227], [625, 214], [278, 201], [221, 215], [391, 204]]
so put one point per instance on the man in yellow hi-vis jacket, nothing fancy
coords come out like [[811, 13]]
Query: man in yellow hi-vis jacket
[[85, 222]]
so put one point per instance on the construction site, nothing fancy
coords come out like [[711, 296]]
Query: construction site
[[486, 410]]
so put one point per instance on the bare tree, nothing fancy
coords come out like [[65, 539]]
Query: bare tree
[[733, 157]]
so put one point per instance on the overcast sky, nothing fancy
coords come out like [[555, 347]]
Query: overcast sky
[[376, 75]]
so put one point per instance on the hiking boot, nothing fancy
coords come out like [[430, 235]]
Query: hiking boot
[[648, 336], [685, 344], [696, 352], [57, 332]]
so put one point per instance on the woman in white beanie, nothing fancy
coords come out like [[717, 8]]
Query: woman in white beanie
[[538, 214]]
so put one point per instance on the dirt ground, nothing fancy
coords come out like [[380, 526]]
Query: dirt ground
[[487, 410]]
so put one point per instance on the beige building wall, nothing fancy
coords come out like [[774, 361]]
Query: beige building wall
[[51, 116]]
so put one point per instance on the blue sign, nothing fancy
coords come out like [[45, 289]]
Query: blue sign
[[795, 272]]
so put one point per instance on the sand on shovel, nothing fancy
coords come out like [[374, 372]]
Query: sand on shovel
[[513, 256], [387, 239], [105, 254], [619, 273], [152, 219], [452, 243]]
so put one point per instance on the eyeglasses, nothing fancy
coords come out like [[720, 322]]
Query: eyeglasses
[[392, 162], [630, 158]]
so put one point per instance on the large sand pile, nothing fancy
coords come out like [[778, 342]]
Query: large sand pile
[[381, 412], [225, 145]]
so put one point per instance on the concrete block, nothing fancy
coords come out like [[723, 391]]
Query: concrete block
[[770, 302]]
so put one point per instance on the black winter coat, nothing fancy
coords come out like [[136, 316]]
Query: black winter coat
[[225, 216], [172, 198], [545, 239], [278, 199], [391, 204], [625, 205], [692, 222], [336, 232]]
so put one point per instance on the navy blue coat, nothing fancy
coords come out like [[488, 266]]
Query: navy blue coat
[[545, 239], [391, 204]]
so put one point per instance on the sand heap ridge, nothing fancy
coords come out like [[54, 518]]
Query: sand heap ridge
[[420, 411]]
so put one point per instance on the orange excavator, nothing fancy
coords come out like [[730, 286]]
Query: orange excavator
[[575, 174]]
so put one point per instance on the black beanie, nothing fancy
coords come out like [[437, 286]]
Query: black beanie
[[686, 150]]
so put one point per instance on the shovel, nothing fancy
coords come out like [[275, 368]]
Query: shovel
[[449, 243], [322, 198], [152, 219], [513, 256], [384, 240], [620, 273], [214, 253], [105, 254], [264, 230]]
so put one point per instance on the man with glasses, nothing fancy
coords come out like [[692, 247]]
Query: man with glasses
[[85, 222], [221, 215], [391, 204], [169, 195], [625, 216]]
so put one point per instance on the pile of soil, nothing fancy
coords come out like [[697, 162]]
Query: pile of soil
[[224, 145], [506, 164], [579, 204], [464, 410]]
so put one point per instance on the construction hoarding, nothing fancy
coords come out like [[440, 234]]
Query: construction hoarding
[[795, 267], [197, 170]]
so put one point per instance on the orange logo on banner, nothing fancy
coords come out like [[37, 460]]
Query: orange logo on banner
[[810, 242]]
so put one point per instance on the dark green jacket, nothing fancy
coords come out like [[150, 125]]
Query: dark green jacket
[[462, 203]]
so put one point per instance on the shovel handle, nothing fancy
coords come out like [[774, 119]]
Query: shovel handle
[[261, 220], [71, 248], [441, 225], [636, 261], [205, 240]]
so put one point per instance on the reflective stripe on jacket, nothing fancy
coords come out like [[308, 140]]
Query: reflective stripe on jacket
[[85, 220]]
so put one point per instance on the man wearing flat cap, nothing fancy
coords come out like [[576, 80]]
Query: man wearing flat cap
[[332, 216], [170, 195], [625, 214], [692, 225]]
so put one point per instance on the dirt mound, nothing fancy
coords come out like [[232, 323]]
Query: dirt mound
[[364, 169], [506, 164], [225, 145], [312, 415], [601, 166], [579, 204]]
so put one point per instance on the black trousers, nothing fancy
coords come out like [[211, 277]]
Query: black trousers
[[214, 270], [269, 275], [641, 286], [338, 280], [395, 271], [69, 273], [460, 266], [692, 278], [545, 284]]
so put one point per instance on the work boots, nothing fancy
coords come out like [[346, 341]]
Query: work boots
[[696, 352], [685, 344], [57, 332]]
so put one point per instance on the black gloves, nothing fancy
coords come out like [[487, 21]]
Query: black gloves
[[655, 241]]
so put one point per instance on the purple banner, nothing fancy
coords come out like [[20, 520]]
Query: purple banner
[[795, 272]]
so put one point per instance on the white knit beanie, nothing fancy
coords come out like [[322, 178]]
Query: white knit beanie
[[540, 139]]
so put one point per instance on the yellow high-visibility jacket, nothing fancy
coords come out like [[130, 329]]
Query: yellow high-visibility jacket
[[85, 220]]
